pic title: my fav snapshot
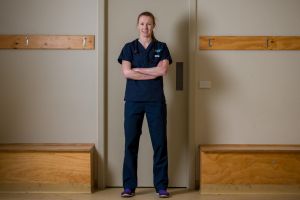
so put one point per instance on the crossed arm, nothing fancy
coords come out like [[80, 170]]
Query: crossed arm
[[145, 73]]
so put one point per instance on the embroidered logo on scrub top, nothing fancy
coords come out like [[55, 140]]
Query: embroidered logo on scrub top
[[157, 51]]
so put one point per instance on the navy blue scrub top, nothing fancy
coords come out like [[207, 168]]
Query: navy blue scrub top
[[139, 57]]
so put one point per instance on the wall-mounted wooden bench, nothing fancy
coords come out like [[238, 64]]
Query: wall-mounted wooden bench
[[249, 43], [46, 168], [67, 42], [249, 169]]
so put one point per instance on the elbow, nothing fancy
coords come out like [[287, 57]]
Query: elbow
[[163, 67], [126, 73], [164, 71]]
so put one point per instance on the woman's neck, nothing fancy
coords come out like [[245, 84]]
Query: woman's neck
[[145, 41]]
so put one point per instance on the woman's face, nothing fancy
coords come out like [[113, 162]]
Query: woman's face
[[145, 26]]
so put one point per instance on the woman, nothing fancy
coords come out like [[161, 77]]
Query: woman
[[144, 63]]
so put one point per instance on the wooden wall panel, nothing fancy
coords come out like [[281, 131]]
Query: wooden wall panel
[[46, 170], [249, 43], [286, 43], [71, 42], [250, 168], [231, 169]]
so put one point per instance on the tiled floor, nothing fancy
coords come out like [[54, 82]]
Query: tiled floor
[[144, 194]]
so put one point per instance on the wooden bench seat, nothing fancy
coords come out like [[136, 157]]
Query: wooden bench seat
[[249, 169], [46, 168]]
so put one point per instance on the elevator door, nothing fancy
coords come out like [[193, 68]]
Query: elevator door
[[172, 28]]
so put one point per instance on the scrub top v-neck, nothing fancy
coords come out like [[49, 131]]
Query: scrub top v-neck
[[140, 57]]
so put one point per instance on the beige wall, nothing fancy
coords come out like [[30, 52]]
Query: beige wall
[[58, 96], [49, 95], [53, 95], [254, 96]]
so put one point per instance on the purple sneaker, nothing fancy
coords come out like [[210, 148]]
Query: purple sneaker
[[127, 193], [163, 194]]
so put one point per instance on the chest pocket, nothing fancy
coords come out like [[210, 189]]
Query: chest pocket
[[155, 56]]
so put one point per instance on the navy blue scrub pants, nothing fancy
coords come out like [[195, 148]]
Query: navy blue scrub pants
[[157, 120]]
